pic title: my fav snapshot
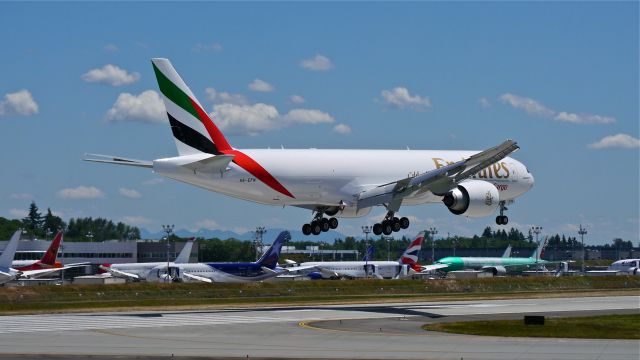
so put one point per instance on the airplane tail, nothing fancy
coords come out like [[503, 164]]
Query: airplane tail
[[507, 252], [50, 256], [410, 256], [9, 251], [192, 128], [270, 258], [185, 253], [539, 252]]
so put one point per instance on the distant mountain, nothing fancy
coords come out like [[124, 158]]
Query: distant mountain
[[296, 235]]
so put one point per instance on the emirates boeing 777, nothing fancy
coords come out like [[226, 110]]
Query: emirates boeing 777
[[331, 183]]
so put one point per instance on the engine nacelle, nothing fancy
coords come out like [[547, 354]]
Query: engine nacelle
[[473, 198], [495, 270]]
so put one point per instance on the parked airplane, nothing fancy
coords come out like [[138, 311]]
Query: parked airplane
[[7, 273], [629, 266], [335, 183], [47, 261], [228, 272], [405, 266], [496, 265], [140, 271]]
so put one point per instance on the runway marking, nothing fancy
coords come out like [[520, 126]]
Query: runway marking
[[306, 325]]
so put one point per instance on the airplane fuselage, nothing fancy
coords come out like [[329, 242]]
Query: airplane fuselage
[[332, 177], [216, 272], [478, 263]]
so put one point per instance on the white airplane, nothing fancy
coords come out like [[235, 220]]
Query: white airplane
[[629, 266], [336, 182], [227, 272], [406, 265], [140, 271], [8, 273]]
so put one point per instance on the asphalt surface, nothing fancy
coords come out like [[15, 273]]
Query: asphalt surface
[[389, 331]]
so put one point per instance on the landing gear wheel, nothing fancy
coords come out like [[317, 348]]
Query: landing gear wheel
[[377, 229], [333, 223], [386, 227], [502, 220], [404, 222], [324, 224], [306, 229], [316, 229], [395, 224]]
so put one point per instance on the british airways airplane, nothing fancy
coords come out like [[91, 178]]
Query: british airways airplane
[[228, 272], [331, 183]]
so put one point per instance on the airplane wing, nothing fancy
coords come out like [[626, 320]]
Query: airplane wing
[[197, 278], [438, 181], [427, 268], [41, 272], [119, 273]]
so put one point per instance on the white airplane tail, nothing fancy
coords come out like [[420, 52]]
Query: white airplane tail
[[9, 251], [539, 252], [507, 252], [185, 253]]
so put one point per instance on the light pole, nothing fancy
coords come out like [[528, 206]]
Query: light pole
[[257, 241], [454, 242], [47, 233], [536, 230], [321, 244], [366, 229], [432, 232], [167, 229], [89, 236], [388, 239], [582, 232]]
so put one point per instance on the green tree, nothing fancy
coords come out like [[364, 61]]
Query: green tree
[[52, 223], [33, 221]]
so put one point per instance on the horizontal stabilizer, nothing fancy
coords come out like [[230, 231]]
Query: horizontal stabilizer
[[108, 159], [212, 164]]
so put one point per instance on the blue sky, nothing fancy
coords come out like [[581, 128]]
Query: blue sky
[[560, 78]]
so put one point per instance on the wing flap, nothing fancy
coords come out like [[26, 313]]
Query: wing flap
[[197, 278]]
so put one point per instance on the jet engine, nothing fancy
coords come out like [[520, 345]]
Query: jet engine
[[495, 270], [473, 198]]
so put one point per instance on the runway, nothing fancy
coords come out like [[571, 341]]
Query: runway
[[375, 331]]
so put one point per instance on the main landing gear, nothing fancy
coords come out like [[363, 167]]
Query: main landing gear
[[502, 219], [319, 224], [390, 224]]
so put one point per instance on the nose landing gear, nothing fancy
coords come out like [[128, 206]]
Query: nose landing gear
[[390, 224]]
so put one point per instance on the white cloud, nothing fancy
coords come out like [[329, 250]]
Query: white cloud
[[206, 224], [111, 47], [297, 99], [584, 118], [81, 192], [20, 102], [154, 181], [317, 63], [112, 75], [146, 107], [258, 118], [18, 213], [621, 141], [529, 105], [215, 47], [400, 98], [225, 97], [342, 129], [307, 116], [21, 196], [535, 107], [136, 220], [261, 86], [484, 102], [130, 193]]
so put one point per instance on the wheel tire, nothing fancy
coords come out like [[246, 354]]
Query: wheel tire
[[316, 229], [324, 225], [404, 222], [333, 223], [377, 229], [306, 229], [395, 225], [499, 220], [505, 220], [386, 228]]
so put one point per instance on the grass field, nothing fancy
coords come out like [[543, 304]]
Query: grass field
[[592, 327], [148, 295]]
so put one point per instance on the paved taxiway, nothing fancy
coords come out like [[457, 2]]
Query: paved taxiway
[[381, 331]]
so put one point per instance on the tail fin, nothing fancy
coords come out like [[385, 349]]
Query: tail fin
[[539, 252], [507, 252], [368, 256], [185, 253], [9, 251], [192, 128], [410, 255], [270, 258], [50, 256]]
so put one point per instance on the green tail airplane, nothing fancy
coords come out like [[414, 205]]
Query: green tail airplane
[[496, 265]]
